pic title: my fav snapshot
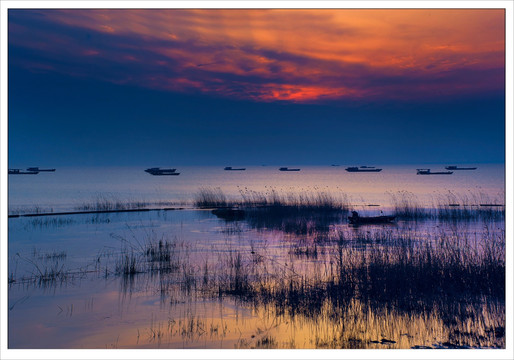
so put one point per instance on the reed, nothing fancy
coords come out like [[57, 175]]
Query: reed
[[300, 213], [407, 206], [128, 265], [396, 271], [448, 207], [109, 203], [211, 197]]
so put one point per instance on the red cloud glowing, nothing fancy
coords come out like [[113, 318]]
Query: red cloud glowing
[[269, 55]]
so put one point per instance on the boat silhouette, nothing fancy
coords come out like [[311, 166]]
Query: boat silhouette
[[39, 170], [428, 172], [230, 168], [21, 172], [362, 169], [453, 167], [159, 171], [355, 219], [288, 169]]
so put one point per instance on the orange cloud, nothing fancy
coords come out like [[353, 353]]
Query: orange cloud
[[305, 55]]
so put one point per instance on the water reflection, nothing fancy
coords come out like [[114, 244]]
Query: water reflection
[[197, 280]]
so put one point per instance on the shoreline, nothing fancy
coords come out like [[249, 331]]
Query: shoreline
[[90, 212]]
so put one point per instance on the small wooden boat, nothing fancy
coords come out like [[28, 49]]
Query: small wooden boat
[[288, 169], [428, 172], [355, 219], [229, 214], [230, 168]]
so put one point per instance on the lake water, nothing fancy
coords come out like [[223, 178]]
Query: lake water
[[69, 187], [273, 278]]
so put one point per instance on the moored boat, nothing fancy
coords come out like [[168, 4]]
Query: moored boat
[[230, 168], [453, 167], [20, 172], [229, 214], [362, 169], [39, 170], [159, 171], [288, 169], [428, 172], [355, 219]]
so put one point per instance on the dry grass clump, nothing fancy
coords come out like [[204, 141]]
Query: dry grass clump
[[211, 198]]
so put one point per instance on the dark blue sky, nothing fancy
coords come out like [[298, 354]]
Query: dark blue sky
[[57, 120], [72, 110]]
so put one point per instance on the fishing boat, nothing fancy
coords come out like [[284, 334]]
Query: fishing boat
[[230, 168], [159, 171], [355, 219], [453, 167], [229, 214], [428, 172], [39, 170], [20, 172], [288, 169], [362, 169]]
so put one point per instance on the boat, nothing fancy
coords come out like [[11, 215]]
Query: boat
[[355, 219], [20, 172], [230, 168], [362, 169], [428, 172], [229, 214], [288, 169], [159, 171], [453, 167], [39, 170]]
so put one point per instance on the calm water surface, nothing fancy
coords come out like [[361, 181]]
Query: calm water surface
[[67, 291], [68, 188], [192, 279]]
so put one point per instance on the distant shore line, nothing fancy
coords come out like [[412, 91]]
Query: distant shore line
[[403, 204], [184, 208], [92, 212]]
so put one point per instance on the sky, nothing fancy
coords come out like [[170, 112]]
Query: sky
[[249, 87]]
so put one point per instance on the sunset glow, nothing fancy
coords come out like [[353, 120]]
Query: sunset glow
[[267, 55], [246, 179]]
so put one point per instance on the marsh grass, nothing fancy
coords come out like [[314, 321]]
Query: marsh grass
[[152, 255], [107, 203], [300, 213], [128, 264], [364, 283], [47, 275], [448, 207], [35, 209], [393, 270], [211, 197], [162, 256], [377, 267]]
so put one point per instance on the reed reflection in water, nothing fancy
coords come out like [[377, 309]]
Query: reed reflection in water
[[195, 279]]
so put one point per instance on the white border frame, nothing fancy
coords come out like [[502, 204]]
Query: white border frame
[[507, 353]]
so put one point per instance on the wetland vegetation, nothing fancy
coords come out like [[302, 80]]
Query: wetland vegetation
[[289, 271]]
